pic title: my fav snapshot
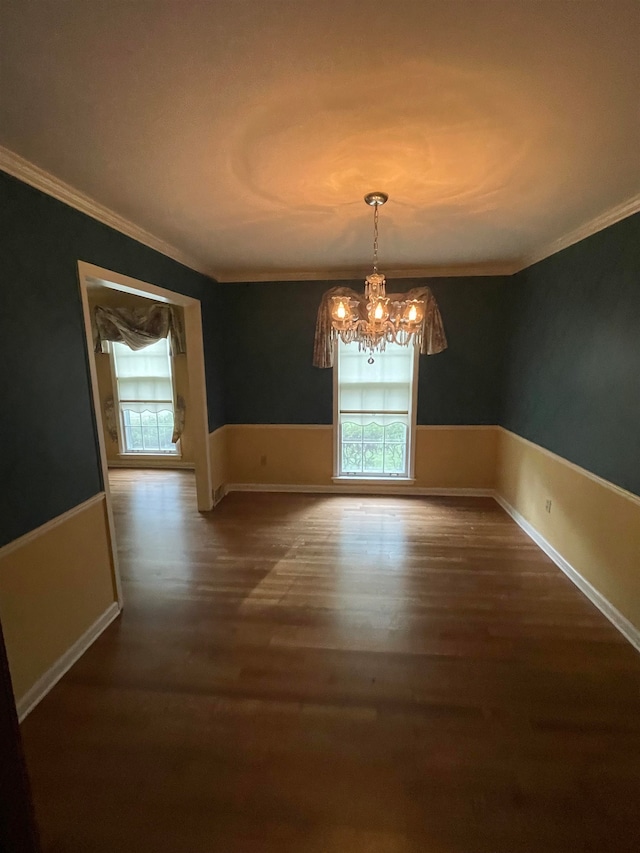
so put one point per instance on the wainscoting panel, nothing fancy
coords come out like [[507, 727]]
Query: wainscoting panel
[[218, 462], [447, 457], [56, 584], [456, 457], [592, 524], [280, 453]]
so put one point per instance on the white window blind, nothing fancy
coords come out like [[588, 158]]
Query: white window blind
[[374, 410], [144, 376], [145, 397]]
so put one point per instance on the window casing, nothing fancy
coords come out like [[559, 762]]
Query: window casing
[[374, 412], [144, 387]]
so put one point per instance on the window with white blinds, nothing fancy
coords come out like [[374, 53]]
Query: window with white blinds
[[375, 419], [145, 397]]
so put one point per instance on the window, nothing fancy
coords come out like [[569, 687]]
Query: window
[[375, 419], [145, 397]]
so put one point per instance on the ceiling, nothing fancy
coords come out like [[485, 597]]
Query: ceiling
[[246, 133]]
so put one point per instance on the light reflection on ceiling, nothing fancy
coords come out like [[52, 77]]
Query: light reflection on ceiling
[[246, 134]]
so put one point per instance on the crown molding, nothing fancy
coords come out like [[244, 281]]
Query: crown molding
[[604, 220], [454, 271], [33, 175], [599, 223]]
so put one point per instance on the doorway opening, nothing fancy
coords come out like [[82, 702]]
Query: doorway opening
[[123, 443]]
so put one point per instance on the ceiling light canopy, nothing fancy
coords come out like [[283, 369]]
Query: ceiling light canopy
[[385, 320]]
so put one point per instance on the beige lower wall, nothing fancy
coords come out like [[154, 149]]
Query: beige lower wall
[[55, 582], [291, 454], [594, 525], [218, 458], [456, 457], [288, 454]]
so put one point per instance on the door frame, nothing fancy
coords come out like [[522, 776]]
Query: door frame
[[91, 274]]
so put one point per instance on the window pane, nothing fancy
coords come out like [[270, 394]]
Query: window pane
[[395, 432], [352, 457], [373, 432], [150, 438], [351, 431], [132, 439], [165, 434], [372, 448], [394, 458], [148, 432], [372, 457]]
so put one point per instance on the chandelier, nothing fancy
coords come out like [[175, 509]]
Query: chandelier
[[382, 319]]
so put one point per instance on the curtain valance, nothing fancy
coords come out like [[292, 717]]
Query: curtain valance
[[433, 337], [138, 328]]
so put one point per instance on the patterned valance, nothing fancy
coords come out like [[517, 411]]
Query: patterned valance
[[433, 337], [138, 328]]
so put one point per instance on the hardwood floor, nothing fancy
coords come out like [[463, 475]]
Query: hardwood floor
[[328, 674]]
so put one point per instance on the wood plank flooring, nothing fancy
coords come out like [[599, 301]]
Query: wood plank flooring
[[328, 674]]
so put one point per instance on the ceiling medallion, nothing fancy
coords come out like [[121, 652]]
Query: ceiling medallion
[[383, 319]]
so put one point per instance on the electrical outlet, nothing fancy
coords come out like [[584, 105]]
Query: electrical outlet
[[547, 505], [263, 461]]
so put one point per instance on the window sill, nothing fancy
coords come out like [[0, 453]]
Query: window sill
[[150, 456], [376, 480]]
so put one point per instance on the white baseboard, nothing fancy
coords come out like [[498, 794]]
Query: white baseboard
[[43, 685], [357, 489], [149, 463], [626, 628]]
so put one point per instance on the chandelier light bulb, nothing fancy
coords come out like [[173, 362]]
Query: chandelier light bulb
[[413, 314], [341, 312], [378, 312]]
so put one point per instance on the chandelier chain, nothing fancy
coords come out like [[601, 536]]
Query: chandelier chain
[[375, 237]]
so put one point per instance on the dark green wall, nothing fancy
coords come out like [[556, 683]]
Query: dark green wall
[[462, 385], [573, 364], [269, 377], [552, 353], [268, 374], [49, 458]]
